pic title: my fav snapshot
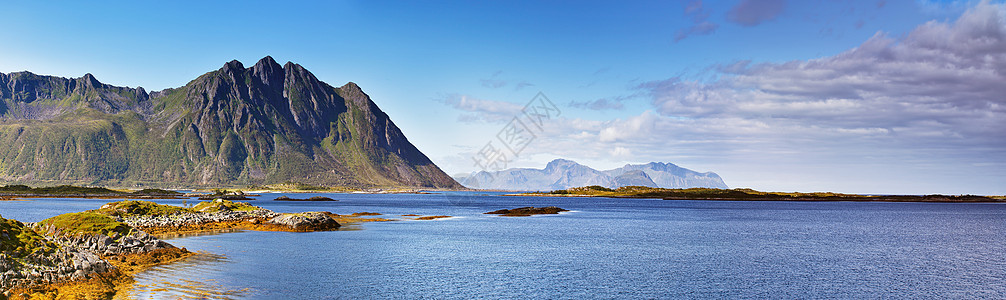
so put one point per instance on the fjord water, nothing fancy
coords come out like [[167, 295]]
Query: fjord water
[[604, 248]]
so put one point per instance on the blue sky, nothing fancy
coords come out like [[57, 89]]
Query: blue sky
[[848, 96]]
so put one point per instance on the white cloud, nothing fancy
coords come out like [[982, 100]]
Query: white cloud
[[480, 109], [631, 128], [621, 152]]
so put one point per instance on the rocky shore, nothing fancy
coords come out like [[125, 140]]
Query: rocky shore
[[89, 255], [222, 214], [134, 242], [194, 218], [27, 258], [75, 256]]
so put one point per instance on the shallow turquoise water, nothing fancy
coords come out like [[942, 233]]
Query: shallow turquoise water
[[605, 248]]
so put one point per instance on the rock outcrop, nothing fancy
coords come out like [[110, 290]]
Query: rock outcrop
[[240, 215], [27, 258], [187, 219], [136, 241], [306, 221]]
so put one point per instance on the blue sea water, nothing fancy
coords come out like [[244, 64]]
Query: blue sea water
[[603, 248]]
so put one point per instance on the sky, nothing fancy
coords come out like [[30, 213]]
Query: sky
[[878, 97]]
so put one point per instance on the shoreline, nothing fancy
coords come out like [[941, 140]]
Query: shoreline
[[636, 192], [94, 254], [885, 200]]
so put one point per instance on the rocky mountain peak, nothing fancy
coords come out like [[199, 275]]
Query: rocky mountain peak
[[141, 94], [351, 87], [90, 81], [559, 163], [296, 72], [268, 72], [233, 66]]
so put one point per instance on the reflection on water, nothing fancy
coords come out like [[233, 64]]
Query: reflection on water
[[180, 280], [172, 235]]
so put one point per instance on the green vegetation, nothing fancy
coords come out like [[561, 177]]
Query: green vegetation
[[140, 208], [586, 189], [69, 190], [87, 223], [16, 237], [291, 186], [220, 205], [58, 190], [749, 194]]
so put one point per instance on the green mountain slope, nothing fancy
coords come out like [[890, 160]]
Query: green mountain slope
[[233, 126]]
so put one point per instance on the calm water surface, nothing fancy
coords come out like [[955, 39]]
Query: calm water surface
[[605, 248]]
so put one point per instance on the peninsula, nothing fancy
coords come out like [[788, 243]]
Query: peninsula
[[94, 254]]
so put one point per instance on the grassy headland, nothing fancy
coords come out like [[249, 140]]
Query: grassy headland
[[753, 195]]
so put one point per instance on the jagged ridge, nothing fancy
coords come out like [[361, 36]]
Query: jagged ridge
[[233, 126]]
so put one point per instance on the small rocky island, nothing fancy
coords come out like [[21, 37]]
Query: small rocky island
[[527, 211], [315, 198]]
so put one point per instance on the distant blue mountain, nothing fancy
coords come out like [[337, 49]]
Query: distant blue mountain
[[563, 174]]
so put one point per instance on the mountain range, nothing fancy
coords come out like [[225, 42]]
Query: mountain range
[[233, 126], [562, 174]]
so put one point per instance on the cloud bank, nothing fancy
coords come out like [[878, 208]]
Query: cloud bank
[[942, 82], [929, 106]]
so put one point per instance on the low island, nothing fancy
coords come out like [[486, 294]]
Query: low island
[[743, 194], [13, 192], [527, 211], [315, 198]]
